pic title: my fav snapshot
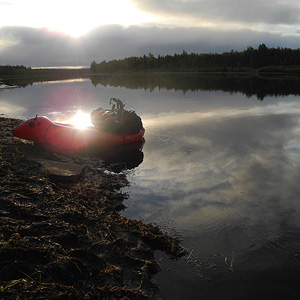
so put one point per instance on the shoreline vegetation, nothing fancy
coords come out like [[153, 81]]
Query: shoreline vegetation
[[63, 237], [22, 76], [262, 60]]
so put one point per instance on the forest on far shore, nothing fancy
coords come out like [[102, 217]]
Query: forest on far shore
[[21, 70], [262, 60]]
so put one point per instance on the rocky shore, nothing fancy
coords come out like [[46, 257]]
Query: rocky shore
[[61, 232]]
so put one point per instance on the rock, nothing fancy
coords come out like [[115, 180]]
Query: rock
[[61, 171]]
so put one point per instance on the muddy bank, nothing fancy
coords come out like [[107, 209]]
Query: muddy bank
[[62, 236]]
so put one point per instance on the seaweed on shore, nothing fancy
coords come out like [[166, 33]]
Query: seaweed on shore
[[63, 240]]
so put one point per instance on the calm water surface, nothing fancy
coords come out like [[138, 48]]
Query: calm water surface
[[220, 169]]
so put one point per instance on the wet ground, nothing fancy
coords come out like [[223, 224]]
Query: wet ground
[[62, 235]]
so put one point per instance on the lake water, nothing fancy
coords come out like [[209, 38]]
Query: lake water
[[221, 169]]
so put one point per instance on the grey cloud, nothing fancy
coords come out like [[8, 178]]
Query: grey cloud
[[256, 11], [40, 47], [37, 47]]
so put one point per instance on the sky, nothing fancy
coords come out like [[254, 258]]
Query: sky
[[48, 33]]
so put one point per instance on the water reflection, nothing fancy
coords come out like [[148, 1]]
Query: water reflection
[[127, 157], [259, 86], [248, 84], [215, 162], [115, 158], [220, 168], [229, 180], [6, 108]]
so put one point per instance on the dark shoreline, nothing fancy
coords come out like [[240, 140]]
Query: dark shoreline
[[66, 239]]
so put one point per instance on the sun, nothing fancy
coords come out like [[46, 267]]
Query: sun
[[98, 13], [80, 120], [74, 18]]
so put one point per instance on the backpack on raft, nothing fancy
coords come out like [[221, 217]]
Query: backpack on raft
[[117, 119]]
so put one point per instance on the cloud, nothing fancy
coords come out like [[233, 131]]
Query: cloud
[[5, 3], [232, 166], [37, 47], [41, 47], [242, 11]]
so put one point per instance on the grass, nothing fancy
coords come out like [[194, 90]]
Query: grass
[[12, 241], [6, 286]]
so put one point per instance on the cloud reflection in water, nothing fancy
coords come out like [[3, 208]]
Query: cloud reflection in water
[[224, 176]]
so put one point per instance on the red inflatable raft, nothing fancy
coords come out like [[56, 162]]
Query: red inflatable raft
[[68, 138]]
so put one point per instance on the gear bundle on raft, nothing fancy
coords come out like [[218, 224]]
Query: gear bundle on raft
[[117, 119], [113, 127]]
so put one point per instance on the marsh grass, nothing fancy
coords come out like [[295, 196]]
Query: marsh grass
[[46, 179], [5, 286], [37, 282], [13, 240]]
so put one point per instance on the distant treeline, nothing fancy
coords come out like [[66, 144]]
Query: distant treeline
[[14, 70], [18, 70], [262, 59], [22, 76]]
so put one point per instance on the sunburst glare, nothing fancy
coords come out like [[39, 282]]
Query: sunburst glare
[[80, 120]]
